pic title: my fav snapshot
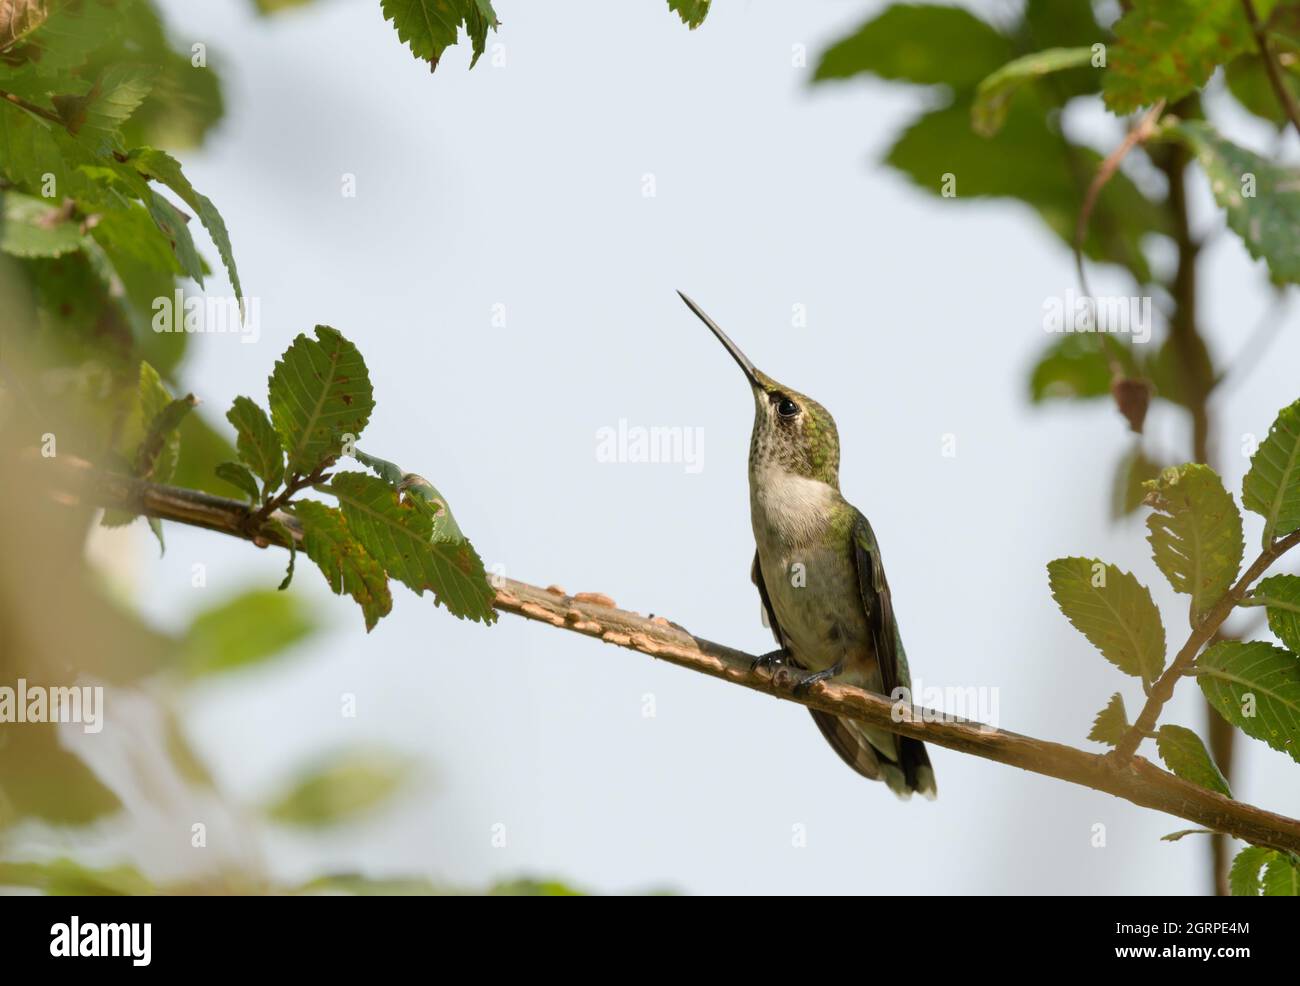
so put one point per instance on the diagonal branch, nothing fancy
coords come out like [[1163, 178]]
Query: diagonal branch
[[1284, 95], [1135, 779]]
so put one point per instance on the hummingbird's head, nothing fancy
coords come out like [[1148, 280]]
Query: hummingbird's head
[[792, 432]]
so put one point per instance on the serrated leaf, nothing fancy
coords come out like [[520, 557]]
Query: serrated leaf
[[341, 788], [1272, 486], [920, 43], [1261, 200], [258, 442], [416, 488], [1281, 594], [430, 27], [1164, 49], [162, 167], [1113, 610], [34, 227], [692, 12], [238, 475], [319, 392], [989, 111], [1256, 687], [97, 115], [292, 546], [1185, 755], [72, 33], [162, 437], [343, 560], [1195, 534], [1243, 878], [171, 223], [1281, 877], [1111, 723], [400, 537]]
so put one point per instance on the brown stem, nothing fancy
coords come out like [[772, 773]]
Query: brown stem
[[1284, 95], [32, 108], [1133, 779]]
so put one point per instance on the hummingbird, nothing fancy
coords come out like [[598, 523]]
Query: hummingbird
[[819, 575]]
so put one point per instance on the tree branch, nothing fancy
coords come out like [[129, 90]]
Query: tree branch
[[1284, 95], [1135, 780]]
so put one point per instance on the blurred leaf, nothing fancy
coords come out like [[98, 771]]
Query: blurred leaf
[[400, 536], [692, 12], [1185, 754], [162, 167], [430, 27], [1132, 471], [346, 564], [35, 228], [203, 448], [925, 44], [1281, 594], [319, 393], [1256, 687], [1272, 486], [162, 436], [1164, 49], [258, 443], [276, 6], [72, 32], [533, 888], [1181, 370], [97, 115], [1244, 877], [1195, 534], [1262, 200], [39, 778], [65, 877], [19, 18], [341, 789], [1248, 81], [989, 111], [1281, 877], [250, 628], [238, 476], [1113, 610], [1111, 723], [1072, 367]]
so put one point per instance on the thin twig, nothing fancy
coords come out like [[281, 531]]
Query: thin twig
[[1133, 779], [1284, 95]]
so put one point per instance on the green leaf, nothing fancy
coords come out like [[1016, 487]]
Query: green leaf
[[320, 393], [72, 32], [162, 436], [1272, 486], [1243, 879], [64, 877], [258, 442], [430, 27], [245, 630], [341, 789], [1164, 49], [238, 475], [1281, 594], [1256, 687], [97, 115], [989, 111], [1113, 610], [1072, 367], [1195, 534], [34, 227], [1185, 754], [1111, 723], [162, 167], [692, 12], [1131, 473], [1248, 81], [1266, 215], [400, 535], [925, 44], [344, 561], [292, 546], [1281, 878], [419, 490]]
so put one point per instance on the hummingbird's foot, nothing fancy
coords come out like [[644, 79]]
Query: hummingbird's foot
[[805, 683], [770, 661]]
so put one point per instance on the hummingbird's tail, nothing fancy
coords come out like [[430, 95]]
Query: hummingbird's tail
[[900, 761]]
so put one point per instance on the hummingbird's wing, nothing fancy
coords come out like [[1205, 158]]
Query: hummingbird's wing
[[756, 576], [878, 605]]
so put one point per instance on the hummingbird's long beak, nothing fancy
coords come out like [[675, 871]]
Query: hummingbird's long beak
[[732, 348]]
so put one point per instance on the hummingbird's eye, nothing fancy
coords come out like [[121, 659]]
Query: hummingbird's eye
[[787, 408]]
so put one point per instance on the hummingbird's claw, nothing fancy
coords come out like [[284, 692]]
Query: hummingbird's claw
[[770, 661], [805, 683]]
